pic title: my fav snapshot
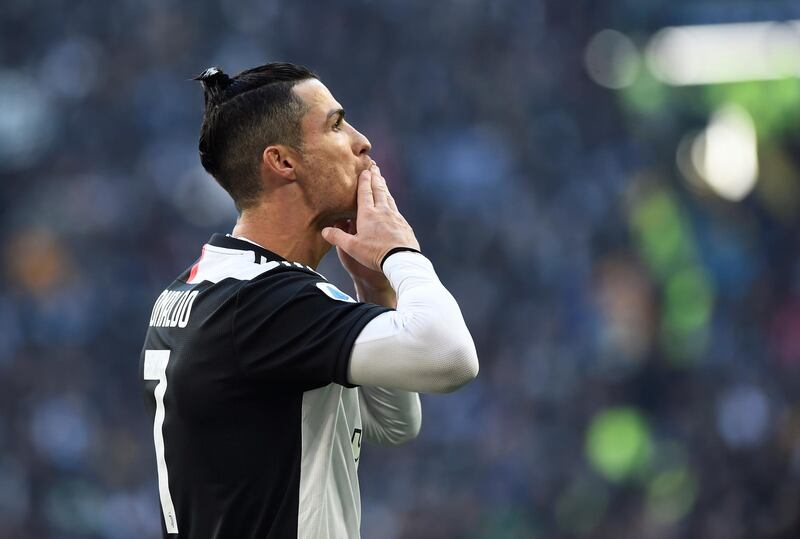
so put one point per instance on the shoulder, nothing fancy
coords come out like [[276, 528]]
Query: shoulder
[[293, 281]]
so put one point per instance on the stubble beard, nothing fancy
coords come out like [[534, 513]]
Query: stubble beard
[[332, 206]]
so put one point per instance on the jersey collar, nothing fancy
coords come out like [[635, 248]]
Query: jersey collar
[[229, 242]]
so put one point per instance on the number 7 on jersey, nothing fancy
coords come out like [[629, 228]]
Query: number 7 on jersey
[[155, 368]]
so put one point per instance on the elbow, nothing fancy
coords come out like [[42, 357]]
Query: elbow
[[461, 368]]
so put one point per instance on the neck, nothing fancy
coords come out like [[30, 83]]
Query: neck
[[293, 235]]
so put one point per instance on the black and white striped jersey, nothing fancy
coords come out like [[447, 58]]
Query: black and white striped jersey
[[256, 429]]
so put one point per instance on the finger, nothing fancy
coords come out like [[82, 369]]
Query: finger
[[365, 198], [387, 193], [337, 237], [390, 199], [379, 189]]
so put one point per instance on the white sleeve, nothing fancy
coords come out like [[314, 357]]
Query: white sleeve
[[389, 416], [424, 345]]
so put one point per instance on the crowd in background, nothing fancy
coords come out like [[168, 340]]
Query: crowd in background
[[639, 338]]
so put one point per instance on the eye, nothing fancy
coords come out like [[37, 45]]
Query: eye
[[337, 124]]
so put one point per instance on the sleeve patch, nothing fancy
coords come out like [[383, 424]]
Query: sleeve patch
[[334, 293]]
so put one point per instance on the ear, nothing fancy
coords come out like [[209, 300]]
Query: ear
[[280, 160]]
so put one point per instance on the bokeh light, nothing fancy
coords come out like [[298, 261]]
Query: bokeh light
[[725, 154], [618, 443], [28, 121], [715, 53], [612, 59], [671, 495], [743, 416]]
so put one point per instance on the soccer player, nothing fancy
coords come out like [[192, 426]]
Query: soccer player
[[262, 377]]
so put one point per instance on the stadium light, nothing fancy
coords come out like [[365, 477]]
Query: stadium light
[[719, 53], [725, 154]]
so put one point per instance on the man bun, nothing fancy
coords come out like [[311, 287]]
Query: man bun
[[214, 82]]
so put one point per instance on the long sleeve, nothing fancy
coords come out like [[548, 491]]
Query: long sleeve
[[389, 416], [424, 345]]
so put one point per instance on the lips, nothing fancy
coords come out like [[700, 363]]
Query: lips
[[366, 167]]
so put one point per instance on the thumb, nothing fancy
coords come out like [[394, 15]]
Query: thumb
[[336, 237]]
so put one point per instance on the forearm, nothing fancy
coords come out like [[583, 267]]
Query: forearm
[[422, 346], [389, 416]]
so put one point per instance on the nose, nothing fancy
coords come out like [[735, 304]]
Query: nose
[[361, 144]]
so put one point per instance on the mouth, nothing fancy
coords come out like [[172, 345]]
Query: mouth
[[365, 167]]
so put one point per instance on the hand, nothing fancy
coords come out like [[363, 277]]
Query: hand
[[371, 286], [381, 228], [361, 275]]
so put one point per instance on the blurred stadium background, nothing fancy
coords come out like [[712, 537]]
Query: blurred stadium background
[[611, 189]]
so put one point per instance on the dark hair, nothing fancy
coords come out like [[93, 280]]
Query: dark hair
[[244, 114]]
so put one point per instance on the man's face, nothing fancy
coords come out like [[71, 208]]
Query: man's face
[[334, 154]]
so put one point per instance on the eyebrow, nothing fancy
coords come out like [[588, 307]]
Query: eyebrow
[[334, 112]]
